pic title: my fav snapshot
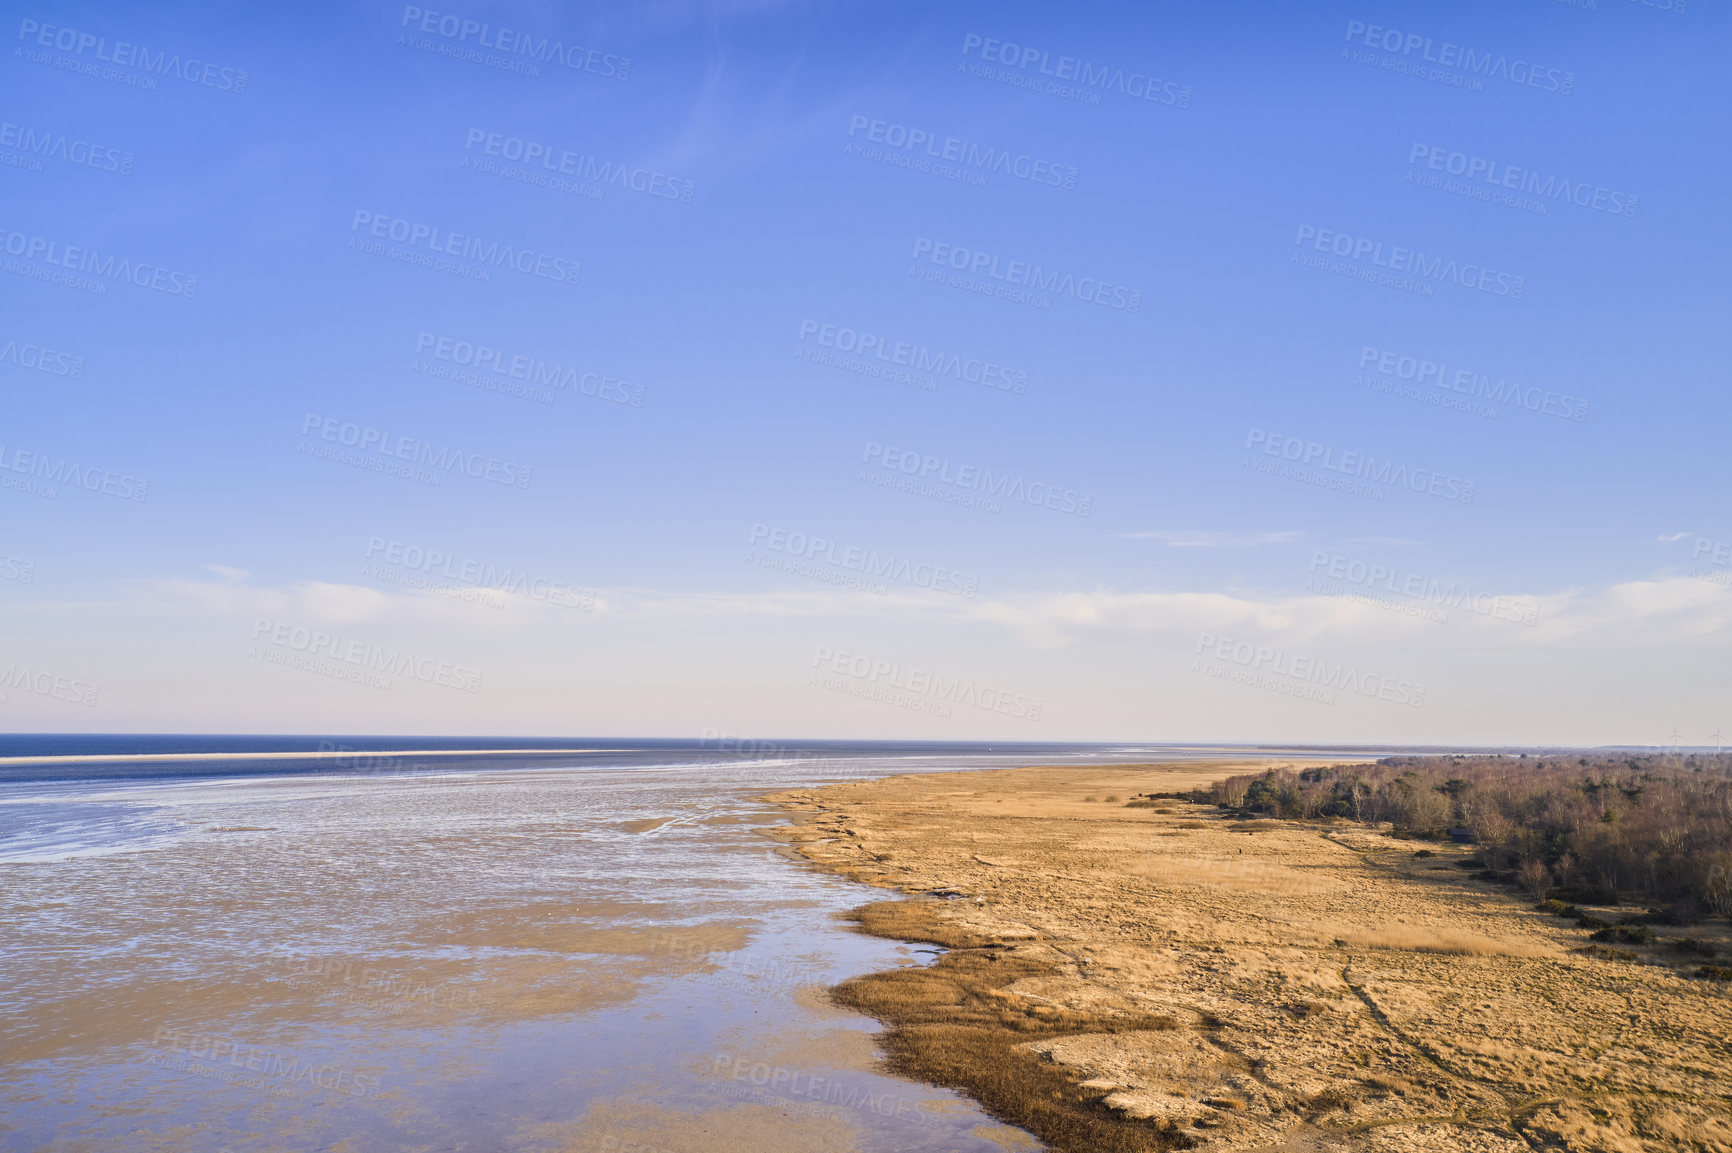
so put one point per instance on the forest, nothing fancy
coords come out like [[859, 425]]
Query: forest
[[1584, 828]]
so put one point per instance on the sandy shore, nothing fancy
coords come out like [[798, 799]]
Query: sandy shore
[[1165, 977]]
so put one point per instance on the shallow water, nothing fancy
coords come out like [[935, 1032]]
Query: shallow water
[[528, 959]]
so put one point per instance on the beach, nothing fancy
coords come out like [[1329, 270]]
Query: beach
[[1162, 975]]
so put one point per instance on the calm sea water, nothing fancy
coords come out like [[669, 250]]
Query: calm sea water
[[397, 943]]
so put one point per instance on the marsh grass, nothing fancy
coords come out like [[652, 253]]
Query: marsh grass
[[1605, 953], [955, 1024]]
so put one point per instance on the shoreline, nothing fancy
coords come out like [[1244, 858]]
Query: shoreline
[[1168, 976]]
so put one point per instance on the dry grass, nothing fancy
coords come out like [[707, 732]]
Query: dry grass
[[1332, 1099], [1456, 1015], [914, 921], [1445, 944], [953, 1024]]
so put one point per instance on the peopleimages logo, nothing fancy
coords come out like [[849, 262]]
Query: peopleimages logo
[[1481, 65], [127, 55], [1088, 78], [488, 364], [401, 455], [1310, 671], [1420, 591], [443, 242], [917, 358], [1476, 385], [1718, 570], [56, 686], [1025, 274], [951, 150], [287, 1068], [480, 576], [74, 263], [867, 562], [938, 470], [45, 472], [41, 358], [522, 49], [1307, 454], [38, 145], [1411, 262], [577, 165], [363, 657], [877, 676], [1503, 179]]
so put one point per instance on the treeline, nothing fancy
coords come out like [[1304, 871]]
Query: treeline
[[1582, 828]]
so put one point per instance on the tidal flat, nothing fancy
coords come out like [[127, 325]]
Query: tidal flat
[[545, 961]]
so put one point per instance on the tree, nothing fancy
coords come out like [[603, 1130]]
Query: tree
[[1534, 877]]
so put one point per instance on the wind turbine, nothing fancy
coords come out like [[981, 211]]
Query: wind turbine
[[1675, 738], [1716, 738]]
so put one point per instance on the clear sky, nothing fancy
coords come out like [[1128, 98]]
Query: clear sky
[[1336, 372]]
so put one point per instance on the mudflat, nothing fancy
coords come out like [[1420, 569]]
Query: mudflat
[[1163, 975]]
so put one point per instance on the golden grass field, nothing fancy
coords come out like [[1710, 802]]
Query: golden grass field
[[1164, 976]]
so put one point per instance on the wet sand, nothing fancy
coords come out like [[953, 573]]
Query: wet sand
[[1166, 977], [542, 962]]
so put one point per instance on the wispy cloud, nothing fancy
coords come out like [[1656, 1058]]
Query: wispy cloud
[[1672, 611], [1204, 539]]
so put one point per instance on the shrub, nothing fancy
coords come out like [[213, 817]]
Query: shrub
[[1585, 894], [1625, 934], [1605, 953]]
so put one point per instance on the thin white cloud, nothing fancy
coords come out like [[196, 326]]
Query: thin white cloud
[[1670, 611], [1204, 539]]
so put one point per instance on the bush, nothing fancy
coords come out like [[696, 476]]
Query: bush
[[1625, 934], [1604, 952], [1585, 894]]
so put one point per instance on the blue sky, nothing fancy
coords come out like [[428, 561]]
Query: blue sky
[[1307, 201]]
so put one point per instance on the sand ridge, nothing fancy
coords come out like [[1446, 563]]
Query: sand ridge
[[1330, 989]]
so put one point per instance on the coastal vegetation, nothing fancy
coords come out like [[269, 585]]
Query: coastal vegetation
[[1146, 976], [1577, 828]]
